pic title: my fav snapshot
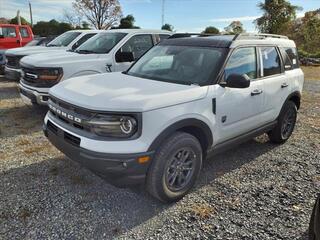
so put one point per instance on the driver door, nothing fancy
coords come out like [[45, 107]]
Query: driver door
[[238, 110], [137, 45]]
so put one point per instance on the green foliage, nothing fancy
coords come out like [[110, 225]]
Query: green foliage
[[167, 27], [277, 16], [211, 30], [236, 27], [15, 21], [127, 23], [52, 27]]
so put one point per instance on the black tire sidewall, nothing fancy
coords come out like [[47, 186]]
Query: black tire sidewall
[[156, 173]]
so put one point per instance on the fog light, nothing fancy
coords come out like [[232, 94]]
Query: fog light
[[144, 159]]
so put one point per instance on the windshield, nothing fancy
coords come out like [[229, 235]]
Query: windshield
[[64, 39], [101, 43], [180, 64]]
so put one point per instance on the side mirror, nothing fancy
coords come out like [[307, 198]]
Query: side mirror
[[1, 36], [237, 81], [124, 57]]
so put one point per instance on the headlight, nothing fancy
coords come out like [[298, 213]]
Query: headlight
[[50, 74], [114, 126]]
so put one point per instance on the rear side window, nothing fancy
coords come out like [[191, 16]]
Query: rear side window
[[8, 32], [242, 61], [286, 60], [270, 61], [24, 32], [293, 55]]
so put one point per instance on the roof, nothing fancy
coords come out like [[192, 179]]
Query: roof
[[230, 41], [223, 41]]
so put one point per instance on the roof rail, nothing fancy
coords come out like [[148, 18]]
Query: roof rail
[[183, 35], [257, 36]]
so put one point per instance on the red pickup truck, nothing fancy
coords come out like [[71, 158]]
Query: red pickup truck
[[13, 36]]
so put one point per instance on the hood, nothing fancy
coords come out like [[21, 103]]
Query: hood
[[57, 59], [123, 93], [25, 51]]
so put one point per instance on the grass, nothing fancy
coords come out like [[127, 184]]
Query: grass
[[311, 72]]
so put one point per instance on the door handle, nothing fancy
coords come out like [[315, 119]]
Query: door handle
[[256, 92], [284, 85]]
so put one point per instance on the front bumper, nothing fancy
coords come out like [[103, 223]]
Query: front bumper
[[119, 169], [34, 96], [12, 74]]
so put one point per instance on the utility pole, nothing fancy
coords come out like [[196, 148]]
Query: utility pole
[[30, 9], [162, 17]]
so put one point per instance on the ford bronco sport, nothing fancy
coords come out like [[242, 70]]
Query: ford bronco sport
[[184, 100]]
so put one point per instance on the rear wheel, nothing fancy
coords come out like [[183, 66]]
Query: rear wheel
[[286, 123], [175, 168]]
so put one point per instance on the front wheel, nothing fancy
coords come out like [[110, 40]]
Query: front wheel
[[286, 122], [175, 168]]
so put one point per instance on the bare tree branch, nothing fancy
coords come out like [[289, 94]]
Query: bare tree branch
[[102, 14]]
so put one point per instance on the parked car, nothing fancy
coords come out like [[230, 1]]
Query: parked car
[[184, 100], [13, 36], [314, 228], [40, 41], [66, 41], [110, 51]]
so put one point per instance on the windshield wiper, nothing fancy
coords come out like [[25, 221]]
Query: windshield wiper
[[85, 51]]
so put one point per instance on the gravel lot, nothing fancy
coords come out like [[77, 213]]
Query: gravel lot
[[256, 191]]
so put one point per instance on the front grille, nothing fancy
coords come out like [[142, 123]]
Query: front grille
[[73, 111], [13, 61], [31, 78]]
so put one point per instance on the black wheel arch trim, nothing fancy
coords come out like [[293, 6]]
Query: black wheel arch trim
[[294, 94], [185, 123]]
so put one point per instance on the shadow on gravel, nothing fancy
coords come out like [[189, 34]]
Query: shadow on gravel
[[9, 92], [234, 158], [21, 120], [57, 196]]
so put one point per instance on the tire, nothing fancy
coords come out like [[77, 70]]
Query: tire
[[286, 123], [314, 226], [175, 167]]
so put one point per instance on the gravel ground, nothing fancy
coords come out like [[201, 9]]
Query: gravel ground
[[256, 191]]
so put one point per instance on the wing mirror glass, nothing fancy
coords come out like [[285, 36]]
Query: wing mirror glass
[[237, 81], [124, 57]]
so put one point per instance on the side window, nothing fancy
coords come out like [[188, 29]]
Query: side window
[[8, 32], [293, 55], [270, 61], [286, 60], [82, 40], [242, 61], [24, 32], [138, 45]]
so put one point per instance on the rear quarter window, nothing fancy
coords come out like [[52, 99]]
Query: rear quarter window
[[293, 55]]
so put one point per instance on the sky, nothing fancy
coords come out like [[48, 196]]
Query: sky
[[184, 15]]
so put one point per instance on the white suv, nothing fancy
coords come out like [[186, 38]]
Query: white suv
[[68, 40], [109, 51], [185, 99]]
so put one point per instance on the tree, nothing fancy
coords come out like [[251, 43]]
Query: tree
[[127, 22], [72, 18], [102, 14], [276, 17], [167, 27], [23, 21], [50, 28], [234, 27], [211, 30]]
